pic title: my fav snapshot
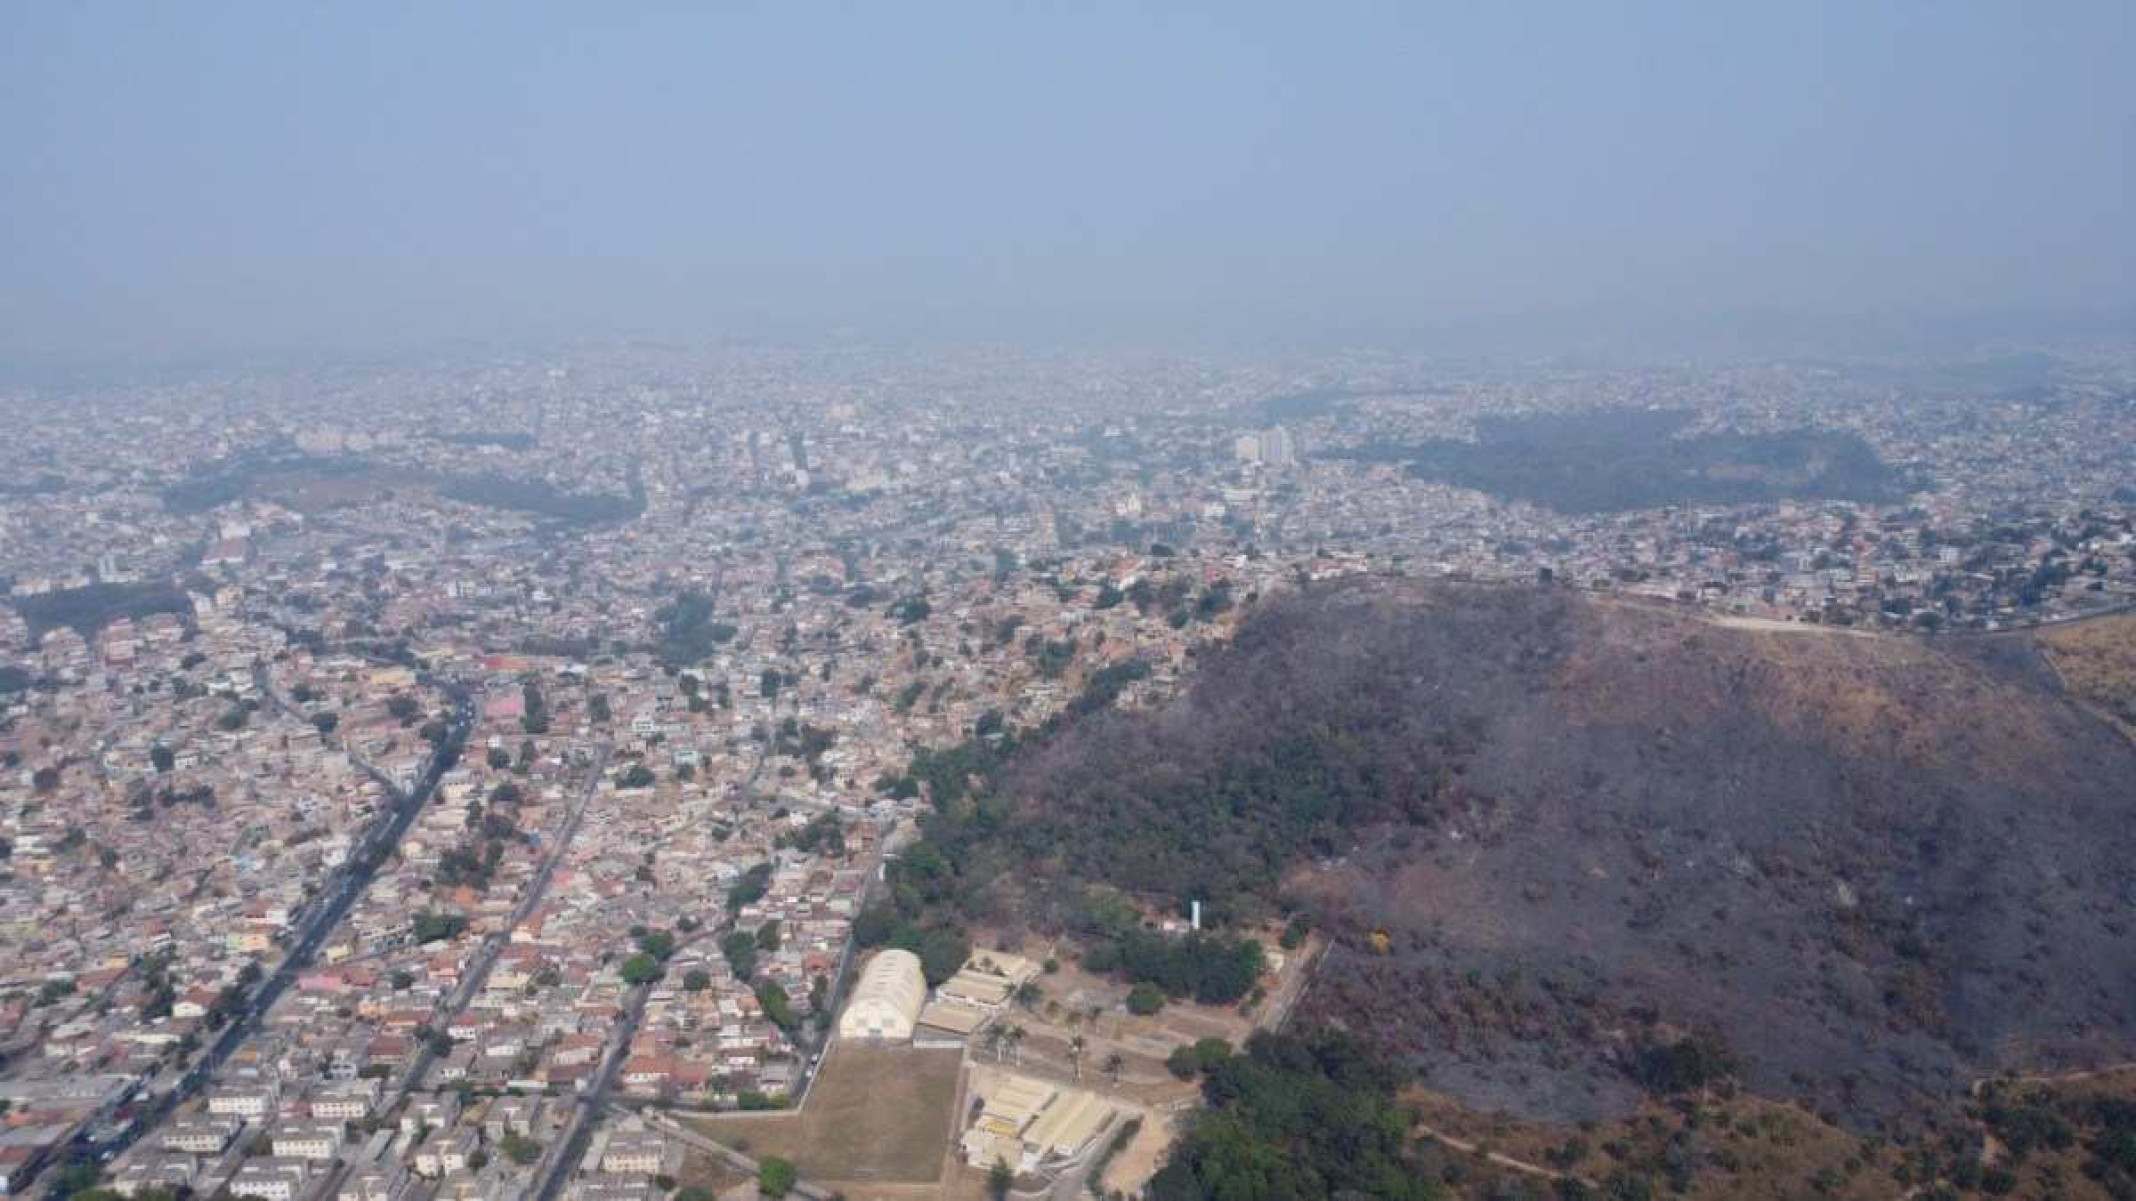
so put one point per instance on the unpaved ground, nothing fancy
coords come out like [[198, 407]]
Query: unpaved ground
[[877, 1115], [1131, 1169]]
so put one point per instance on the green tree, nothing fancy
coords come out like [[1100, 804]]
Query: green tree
[[778, 1007], [751, 887], [775, 1176], [1208, 1052], [874, 926], [1294, 931], [660, 944], [1689, 1063], [1181, 1063], [1296, 1117], [519, 1149], [999, 1180], [535, 718], [431, 926], [740, 949], [941, 953], [640, 968]]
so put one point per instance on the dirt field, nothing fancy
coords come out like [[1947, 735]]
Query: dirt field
[[1130, 1170], [878, 1115], [701, 1170]]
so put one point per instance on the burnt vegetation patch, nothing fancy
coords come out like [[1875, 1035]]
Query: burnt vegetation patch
[[1550, 838]]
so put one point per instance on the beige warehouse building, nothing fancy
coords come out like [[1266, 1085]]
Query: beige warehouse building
[[886, 1003], [1028, 1124]]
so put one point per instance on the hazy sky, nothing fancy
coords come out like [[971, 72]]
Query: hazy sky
[[183, 177]]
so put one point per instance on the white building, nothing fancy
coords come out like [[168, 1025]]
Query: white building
[[308, 1140], [636, 1152], [388, 1182], [272, 1179], [345, 1101], [251, 1104], [886, 1002], [1272, 447], [200, 1135]]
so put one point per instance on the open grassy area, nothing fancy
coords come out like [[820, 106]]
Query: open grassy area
[[877, 1115]]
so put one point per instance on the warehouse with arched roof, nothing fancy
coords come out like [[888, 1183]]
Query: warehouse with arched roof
[[886, 1003]]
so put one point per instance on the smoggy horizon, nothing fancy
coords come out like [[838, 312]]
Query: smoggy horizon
[[190, 181]]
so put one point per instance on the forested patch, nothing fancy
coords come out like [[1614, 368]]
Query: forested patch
[[91, 608], [1293, 1117], [542, 499], [1636, 459], [688, 634]]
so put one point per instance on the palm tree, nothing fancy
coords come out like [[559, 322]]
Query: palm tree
[[1015, 1036], [995, 1036], [1113, 1063], [1075, 1053]]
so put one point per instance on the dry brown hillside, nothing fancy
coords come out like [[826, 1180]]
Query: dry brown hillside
[[1871, 869], [2096, 661], [1875, 867]]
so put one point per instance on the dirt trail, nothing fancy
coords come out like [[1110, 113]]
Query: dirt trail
[[1773, 626], [1499, 1159], [2076, 1076]]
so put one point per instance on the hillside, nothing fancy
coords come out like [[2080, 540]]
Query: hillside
[[1863, 870], [2096, 661]]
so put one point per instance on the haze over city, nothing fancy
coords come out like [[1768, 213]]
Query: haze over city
[[1020, 602], [184, 180]]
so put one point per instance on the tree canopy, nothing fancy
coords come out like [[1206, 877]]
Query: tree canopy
[[1295, 1117]]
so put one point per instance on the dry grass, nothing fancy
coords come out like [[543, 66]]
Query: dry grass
[[702, 1170], [2042, 1172], [1748, 1149], [877, 1115], [1866, 695], [2097, 663]]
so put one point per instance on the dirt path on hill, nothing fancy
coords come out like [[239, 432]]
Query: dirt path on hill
[[1499, 1159]]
